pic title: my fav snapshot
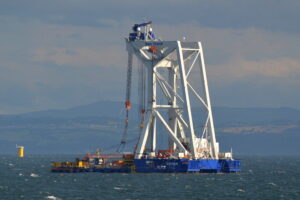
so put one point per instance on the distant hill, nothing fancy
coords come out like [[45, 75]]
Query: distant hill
[[84, 128], [98, 109], [223, 115], [281, 115]]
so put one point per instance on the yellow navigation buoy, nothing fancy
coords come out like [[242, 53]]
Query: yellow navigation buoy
[[20, 151]]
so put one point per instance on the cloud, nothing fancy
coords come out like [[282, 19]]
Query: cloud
[[259, 129], [110, 56], [240, 69], [56, 54], [46, 85], [108, 22], [238, 55], [252, 43], [235, 14]]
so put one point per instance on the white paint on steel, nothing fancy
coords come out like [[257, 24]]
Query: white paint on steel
[[206, 93], [171, 133], [178, 59], [144, 136], [187, 99]]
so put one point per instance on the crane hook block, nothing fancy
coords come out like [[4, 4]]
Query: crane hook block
[[142, 125], [127, 105]]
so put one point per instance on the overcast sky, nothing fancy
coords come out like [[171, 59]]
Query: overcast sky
[[64, 53]]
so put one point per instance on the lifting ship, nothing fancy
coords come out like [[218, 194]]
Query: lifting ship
[[174, 103]]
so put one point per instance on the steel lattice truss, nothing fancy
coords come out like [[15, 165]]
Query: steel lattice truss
[[174, 89]]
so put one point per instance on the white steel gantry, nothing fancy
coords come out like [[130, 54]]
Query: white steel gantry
[[174, 88]]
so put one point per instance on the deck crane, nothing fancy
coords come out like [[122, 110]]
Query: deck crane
[[174, 100], [137, 34], [171, 93]]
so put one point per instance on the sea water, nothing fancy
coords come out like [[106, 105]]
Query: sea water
[[270, 177]]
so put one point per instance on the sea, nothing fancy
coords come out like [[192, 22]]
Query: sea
[[262, 177]]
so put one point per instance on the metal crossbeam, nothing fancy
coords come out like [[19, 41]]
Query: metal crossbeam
[[176, 62]]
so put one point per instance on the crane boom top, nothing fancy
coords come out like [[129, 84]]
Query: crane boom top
[[139, 34], [136, 26]]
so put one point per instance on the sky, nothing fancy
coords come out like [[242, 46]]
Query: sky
[[58, 54]]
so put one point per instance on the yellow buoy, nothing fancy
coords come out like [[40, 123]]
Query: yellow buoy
[[20, 151]]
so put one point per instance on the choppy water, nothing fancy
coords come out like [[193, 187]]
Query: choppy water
[[262, 178]]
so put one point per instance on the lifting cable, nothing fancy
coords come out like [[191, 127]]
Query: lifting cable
[[127, 102], [113, 147], [141, 98], [142, 92]]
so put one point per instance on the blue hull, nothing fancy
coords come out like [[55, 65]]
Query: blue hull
[[185, 165], [112, 170], [165, 166]]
